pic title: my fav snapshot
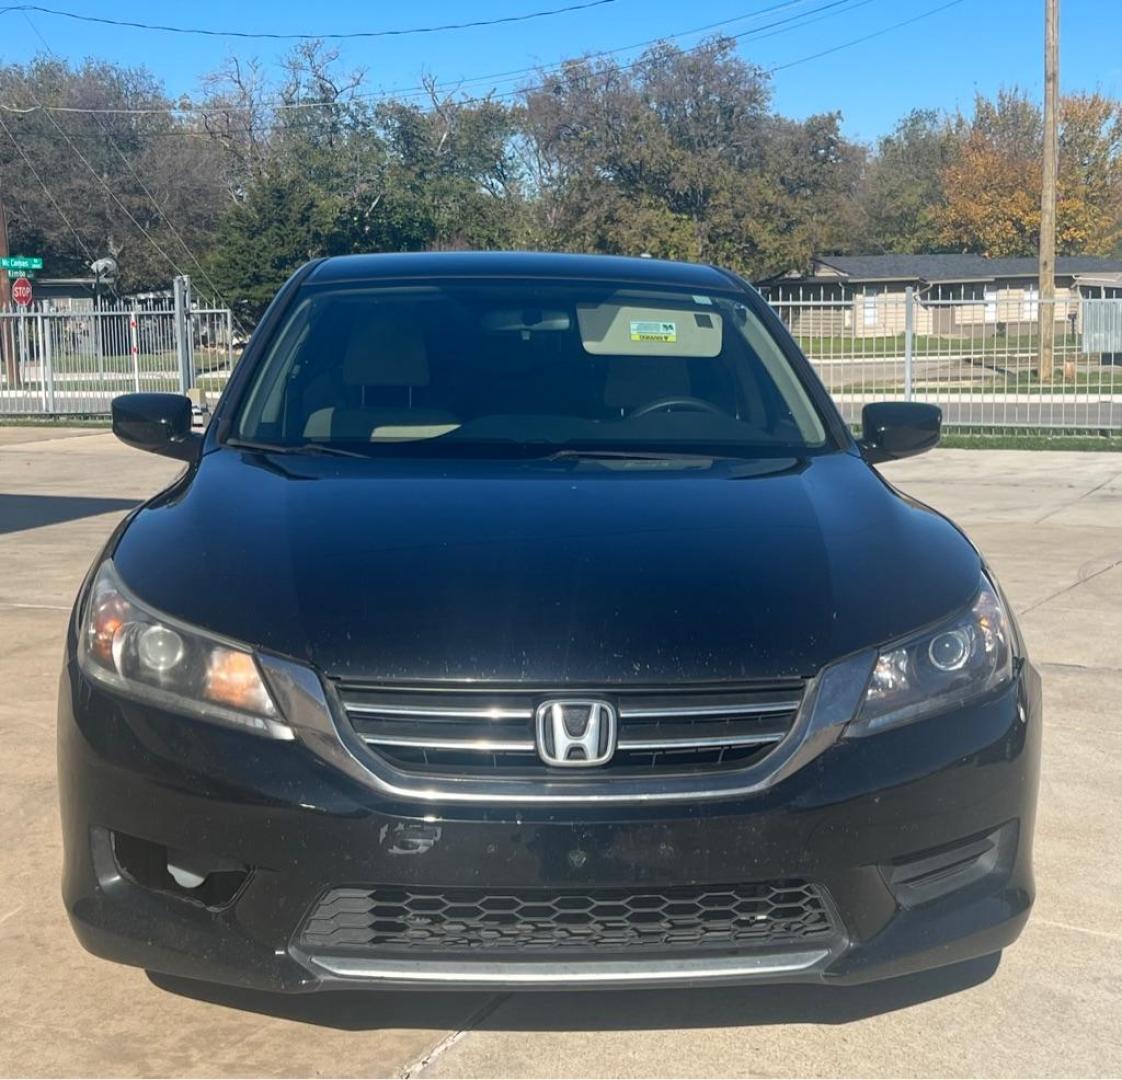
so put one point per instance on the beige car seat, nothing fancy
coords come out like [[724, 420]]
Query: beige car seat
[[382, 354]]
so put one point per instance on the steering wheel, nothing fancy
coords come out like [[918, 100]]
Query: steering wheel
[[691, 404]]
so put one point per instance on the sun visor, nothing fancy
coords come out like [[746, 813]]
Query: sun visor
[[629, 330]]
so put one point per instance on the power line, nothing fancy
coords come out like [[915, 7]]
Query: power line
[[46, 190], [112, 194], [778, 67], [164, 216], [266, 35], [758, 31], [864, 38], [136, 176], [803, 17], [789, 22], [503, 75], [412, 91]]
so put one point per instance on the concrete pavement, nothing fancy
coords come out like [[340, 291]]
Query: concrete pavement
[[1052, 525]]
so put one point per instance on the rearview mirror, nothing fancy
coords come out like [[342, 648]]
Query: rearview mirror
[[158, 423], [898, 429]]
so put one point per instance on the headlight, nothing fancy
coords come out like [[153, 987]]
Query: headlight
[[149, 656], [964, 658]]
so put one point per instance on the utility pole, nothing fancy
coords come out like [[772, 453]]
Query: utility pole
[[1047, 306], [7, 350]]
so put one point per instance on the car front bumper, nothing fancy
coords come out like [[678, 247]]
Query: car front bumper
[[947, 803]]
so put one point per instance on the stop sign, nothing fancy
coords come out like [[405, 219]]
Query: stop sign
[[21, 291]]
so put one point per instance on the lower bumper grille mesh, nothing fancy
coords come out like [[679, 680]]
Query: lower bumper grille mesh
[[387, 919]]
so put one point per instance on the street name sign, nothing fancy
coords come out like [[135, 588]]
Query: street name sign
[[20, 262]]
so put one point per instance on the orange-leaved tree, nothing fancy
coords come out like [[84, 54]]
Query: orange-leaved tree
[[991, 187]]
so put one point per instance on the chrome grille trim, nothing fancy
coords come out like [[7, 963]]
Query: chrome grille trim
[[491, 746], [480, 731], [418, 712], [747, 709], [762, 739], [527, 745], [314, 705], [640, 970]]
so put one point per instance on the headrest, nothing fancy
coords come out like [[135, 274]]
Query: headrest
[[382, 351], [635, 380]]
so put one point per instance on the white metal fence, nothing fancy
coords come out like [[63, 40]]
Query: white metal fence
[[977, 357], [75, 362]]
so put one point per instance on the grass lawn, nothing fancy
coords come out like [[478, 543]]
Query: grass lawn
[[826, 348], [69, 420], [1105, 381], [68, 363], [1032, 442]]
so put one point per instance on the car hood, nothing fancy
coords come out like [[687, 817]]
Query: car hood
[[563, 572]]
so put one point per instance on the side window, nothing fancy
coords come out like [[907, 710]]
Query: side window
[[263, 409], [870, 305]]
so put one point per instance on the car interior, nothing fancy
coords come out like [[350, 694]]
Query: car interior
[[517, 366]]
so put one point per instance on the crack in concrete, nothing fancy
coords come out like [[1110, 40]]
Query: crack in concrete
[[418, 1066], [1111, 935], [1063, 665], [1086, 494], [1081, 580], [34, 607]]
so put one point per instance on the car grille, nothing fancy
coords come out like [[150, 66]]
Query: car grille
[[491, 732], [387, 919]]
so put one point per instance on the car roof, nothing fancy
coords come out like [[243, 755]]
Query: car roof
[[517, 264]]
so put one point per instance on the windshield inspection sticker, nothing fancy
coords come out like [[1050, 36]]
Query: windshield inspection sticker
[[654, 330]]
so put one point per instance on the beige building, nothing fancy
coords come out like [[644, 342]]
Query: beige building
[[954, 295]]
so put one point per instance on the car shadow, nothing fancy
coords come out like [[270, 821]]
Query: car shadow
[[21, 512], [592, 1010]]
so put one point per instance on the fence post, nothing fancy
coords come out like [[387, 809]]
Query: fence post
[[48, 363], [182, 347], [909, 338], [134, 344], [229, 342], [21, 347], [42, 358], [189, 328]]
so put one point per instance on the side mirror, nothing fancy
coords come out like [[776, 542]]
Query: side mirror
[[158, 423], [898, 429]]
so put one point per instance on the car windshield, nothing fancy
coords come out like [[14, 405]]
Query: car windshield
[[492, 369]]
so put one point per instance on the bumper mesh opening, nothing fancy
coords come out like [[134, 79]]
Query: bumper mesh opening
[[387, 919]]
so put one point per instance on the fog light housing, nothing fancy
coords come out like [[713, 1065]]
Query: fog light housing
[[200, 879]]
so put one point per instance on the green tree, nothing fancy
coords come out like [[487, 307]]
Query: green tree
[[141, 187], [448, 179], [263, 238], [991, 187], [678, 155], [902, 193]]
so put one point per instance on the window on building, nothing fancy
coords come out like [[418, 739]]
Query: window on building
[[870, 305]]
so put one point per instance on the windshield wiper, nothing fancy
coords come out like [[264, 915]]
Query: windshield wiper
[[576, 454], [296, 448]]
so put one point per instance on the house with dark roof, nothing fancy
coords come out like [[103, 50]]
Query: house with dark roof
[[955, 295]]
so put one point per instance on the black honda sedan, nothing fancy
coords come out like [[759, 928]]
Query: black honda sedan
[[535, 620]]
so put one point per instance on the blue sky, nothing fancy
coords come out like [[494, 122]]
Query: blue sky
[[940, 61]]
